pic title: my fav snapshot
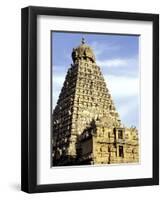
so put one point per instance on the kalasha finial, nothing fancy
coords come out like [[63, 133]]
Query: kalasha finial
[[83, 41]]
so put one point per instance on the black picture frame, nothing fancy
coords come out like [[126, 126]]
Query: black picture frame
[[29, 99]]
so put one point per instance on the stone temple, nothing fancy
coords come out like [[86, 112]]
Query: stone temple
[[87, 128]]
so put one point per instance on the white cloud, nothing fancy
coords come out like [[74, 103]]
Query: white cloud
[[57, 82], [127, 106], [129, 112], [100, 48], [118, 62], [112, 62], [121, 86]]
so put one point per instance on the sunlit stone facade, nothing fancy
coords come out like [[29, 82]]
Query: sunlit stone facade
[[86, 126]]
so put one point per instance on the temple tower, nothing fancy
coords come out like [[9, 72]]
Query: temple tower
[[84, 102]]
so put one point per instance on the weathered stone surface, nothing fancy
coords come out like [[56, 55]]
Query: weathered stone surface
[[86, 125]]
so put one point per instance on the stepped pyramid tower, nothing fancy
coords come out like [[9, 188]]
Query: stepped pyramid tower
[[86, 126]]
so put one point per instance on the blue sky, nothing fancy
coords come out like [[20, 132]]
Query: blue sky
[[117, 56]]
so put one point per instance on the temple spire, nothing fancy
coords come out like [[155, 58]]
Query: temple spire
[[83, 40], [83, 51], [86, 126]]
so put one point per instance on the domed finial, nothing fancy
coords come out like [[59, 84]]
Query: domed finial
[[83, 41], [83, 52]]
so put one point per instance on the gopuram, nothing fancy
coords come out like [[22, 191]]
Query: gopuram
[[87, 129]]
